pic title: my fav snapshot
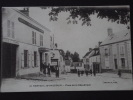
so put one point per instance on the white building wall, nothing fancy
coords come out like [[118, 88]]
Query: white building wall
[[23, 35]]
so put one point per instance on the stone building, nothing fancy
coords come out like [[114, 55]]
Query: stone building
[[94, 60], [24, 41], [115, 51]]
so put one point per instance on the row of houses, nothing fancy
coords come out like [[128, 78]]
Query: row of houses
[[24, 43], [114, 53]]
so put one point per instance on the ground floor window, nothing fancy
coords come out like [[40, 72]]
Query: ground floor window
[[123, 62], [25, 58], [35, 58]]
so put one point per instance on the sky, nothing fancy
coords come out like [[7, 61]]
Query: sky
[[75, 37]]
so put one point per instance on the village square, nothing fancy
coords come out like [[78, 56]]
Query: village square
[[37, 58]]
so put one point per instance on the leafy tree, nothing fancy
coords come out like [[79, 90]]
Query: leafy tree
[[67, 54], [119, 14], [76, 57]]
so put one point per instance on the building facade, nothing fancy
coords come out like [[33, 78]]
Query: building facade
[[86, 59], [115, 51], [22, 39], [94, 60]]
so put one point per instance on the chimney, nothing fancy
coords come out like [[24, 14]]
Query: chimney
[[25, 11], [90, 49], [110, 31]]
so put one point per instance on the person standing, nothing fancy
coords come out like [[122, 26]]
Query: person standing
[[78, 73], [49, 70], [57, 71], [91, 72], [94, 72], [119, 73], [44, 68], [86, 72]]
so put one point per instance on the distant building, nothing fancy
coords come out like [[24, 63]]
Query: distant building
[[95, 60], [86, 59], [115, 51], [24, 42]]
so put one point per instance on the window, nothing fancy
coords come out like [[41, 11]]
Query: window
[[41, 40], [51, 38], [8, 28], [123, 62], [35, 58], [33, 37], [12, 29], [106, 53], [122, 50], [25, 58]]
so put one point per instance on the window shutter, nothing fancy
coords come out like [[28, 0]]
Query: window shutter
[[37, 60], [28, 59], [22, 60], [32, 60], [8, 28], [13, 30]]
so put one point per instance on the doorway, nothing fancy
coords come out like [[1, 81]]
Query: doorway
[[8, 60], [115, 62], [41, 62]]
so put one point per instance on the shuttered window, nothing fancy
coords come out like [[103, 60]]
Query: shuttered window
[[26, 58], [33, 37], [35, 58], [41, 40], [10, 29]]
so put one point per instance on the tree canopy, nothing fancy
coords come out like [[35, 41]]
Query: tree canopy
[[76, 57], [120, 14]]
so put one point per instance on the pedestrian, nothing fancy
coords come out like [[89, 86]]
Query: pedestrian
[[49, 70], [57, 71], [91, 72], [44, 68], [86, 72], [82, 72], [78, 73], [94, 72], [119, 73]]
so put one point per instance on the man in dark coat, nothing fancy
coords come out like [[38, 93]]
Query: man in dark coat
[[86, 72], [49, 70], [119, 73], [94, 72], [57, 71], [78, 73], [44, 68], [91, 72]]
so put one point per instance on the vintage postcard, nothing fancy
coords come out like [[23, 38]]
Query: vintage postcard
[[66, 48]]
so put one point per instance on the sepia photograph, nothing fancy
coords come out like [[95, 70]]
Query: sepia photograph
[[66, 48]]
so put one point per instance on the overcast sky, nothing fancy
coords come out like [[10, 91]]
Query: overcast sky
[[75, 37]]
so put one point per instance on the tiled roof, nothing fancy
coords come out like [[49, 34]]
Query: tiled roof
[[87, 54], [96, 52], [117, 37]]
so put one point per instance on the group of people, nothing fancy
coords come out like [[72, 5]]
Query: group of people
[[46, 68], [86, 72]]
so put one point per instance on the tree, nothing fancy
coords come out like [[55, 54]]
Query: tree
[[67, 54], [76, 57], [120, 14]]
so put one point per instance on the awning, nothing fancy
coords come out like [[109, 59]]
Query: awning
[[43, 49]]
